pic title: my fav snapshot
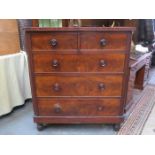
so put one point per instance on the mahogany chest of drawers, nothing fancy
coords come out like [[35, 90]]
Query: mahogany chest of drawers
[[78, 74]]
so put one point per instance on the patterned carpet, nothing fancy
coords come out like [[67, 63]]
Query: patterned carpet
[[134, 124]]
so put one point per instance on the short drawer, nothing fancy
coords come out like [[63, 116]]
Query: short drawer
[[53, 41], [78, 85], [79, 63], [79, 107], [104, 40]]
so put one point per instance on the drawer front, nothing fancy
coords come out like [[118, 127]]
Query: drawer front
[[79, 85], [53, 41], [79, 63], [103, 40], [79, 107]]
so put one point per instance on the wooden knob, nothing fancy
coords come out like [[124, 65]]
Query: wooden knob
[[56, 87], [53, 42], [102, 63], [57, 108], [55, 63], [101, 86], [100, 108], [103, 42]]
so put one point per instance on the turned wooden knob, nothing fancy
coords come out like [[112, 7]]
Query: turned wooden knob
[[57, 108], [103, 42], [56, 87], [53, 42], [100, 108], [102, 63], [101, 86], [55, 63]]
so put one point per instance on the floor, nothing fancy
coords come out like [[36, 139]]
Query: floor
[[149, 128], [20, 122]]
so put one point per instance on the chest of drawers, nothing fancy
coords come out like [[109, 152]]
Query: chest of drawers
[[78, 75]]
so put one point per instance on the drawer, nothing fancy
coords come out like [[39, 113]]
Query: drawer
[[79, 107], [104, 40], [53, 41], [79, 63], [78, 85]]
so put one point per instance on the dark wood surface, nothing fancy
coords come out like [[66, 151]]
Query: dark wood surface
[[49, 62], [84, 77], [78, 107], [88, 40], [113, 40], [78, 85], [42, 41], [78, 119]]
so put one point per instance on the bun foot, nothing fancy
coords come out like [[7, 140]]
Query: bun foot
[[40, 127], [117, 127]]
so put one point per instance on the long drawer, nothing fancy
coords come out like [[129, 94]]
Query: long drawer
[[79, 63], [78, 85], [79, 107]]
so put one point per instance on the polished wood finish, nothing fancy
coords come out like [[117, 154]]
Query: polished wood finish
[[77, 85], [54, 41], [103, 40], [49, 62], [78, 119], [79, 74], [78, 107]]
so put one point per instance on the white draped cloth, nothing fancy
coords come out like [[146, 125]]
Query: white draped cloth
[[14, 81]]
